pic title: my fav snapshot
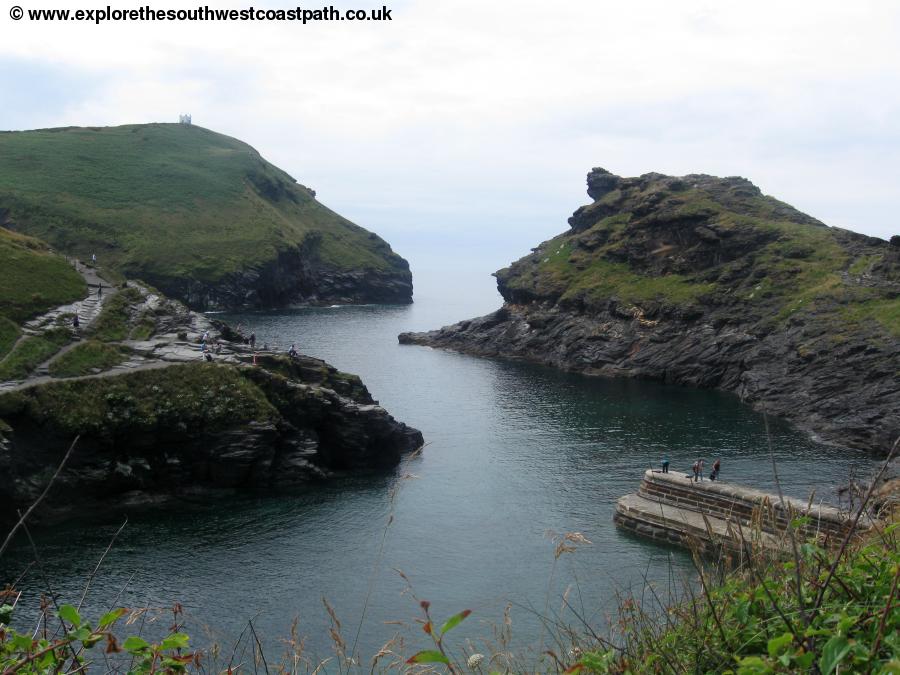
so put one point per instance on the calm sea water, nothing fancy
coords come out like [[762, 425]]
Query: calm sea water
[[514, 452]]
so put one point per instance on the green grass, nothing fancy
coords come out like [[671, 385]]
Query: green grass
[[86, 358], [33, 279], [607, 279], [190, 397], [884, 312], [864, 263], [164, 202], [144, 327], [113, 322], [9, 333], [31, 352], [781, 262]]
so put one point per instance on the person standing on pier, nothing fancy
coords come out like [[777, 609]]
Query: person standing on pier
[[715, 470], [696, 468], [665, 465]]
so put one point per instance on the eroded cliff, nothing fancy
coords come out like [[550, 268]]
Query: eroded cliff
[[705, 281]]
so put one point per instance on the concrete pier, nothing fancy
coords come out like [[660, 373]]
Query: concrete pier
[[714, 515]]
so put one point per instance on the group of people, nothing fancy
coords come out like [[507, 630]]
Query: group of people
[[697, 469], [209, 345]]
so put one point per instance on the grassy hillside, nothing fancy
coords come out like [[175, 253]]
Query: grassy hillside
[[167, 201], [32, 279], [700, 240]]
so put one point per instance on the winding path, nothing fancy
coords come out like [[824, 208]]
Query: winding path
[[87, 309], [160, 351]]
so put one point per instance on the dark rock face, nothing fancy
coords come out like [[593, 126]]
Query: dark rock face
[[751, 324], [849, 395], [324, 423], [295, 276]]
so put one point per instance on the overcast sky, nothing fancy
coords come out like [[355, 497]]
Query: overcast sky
[[463, 129]]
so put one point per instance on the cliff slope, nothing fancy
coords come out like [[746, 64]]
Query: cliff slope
[[199, 215], [705, 281]]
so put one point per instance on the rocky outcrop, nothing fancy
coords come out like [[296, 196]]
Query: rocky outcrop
[[295, 276], [170, 421], [188, 429], [705, 282]]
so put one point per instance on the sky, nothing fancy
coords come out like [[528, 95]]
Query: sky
[[462, 130]]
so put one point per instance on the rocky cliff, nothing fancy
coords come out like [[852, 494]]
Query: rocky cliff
[[160, 419], [705, 281], [158, 434]]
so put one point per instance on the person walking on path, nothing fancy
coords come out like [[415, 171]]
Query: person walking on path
[[99, 290], [715, 470], [665, 465], [252, 340], [76, 323]]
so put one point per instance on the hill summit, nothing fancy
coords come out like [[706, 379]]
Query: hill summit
[[705, 281], [200, 215]]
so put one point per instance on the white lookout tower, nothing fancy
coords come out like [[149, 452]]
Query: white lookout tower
[[184, 119]]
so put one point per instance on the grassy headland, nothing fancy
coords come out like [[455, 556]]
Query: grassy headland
[[170, 203], [695, 240]]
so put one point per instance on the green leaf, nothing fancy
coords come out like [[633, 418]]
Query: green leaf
[[428, 656], [135, 644], [778, 644], [93, 639], [80, 634], [176, 641], [110, 618], [752, 665], [455, 620], [846, 623], [833, 653], [21, 643], [70, 614], [6, 612], [805, 660]]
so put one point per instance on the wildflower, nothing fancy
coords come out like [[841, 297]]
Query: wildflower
[[474, 661]]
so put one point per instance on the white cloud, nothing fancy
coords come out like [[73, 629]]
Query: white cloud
[[461, 115]]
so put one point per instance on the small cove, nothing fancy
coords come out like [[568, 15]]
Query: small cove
[[514, 451]]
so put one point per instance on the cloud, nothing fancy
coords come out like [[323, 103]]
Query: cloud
[[464, 117]]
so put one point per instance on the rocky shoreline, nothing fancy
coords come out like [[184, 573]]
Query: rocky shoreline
[[293, 277], [167, 423], [835, 378]]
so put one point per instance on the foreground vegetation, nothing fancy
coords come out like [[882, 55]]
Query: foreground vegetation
[[822, 613], [827, 609]]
